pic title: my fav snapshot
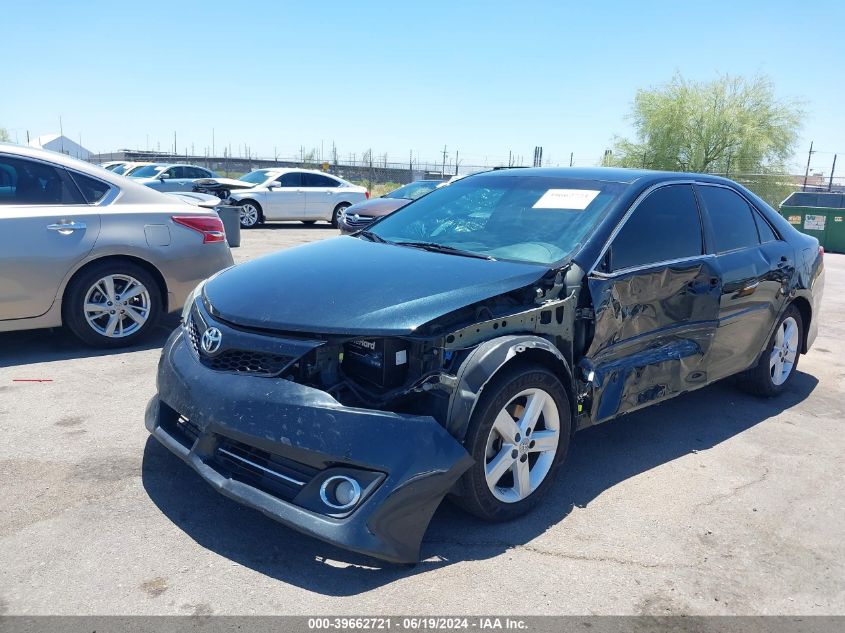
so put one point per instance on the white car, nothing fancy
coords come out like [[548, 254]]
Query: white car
[[294, 194], [168, 177]]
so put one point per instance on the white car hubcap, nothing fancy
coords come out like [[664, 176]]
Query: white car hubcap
[[248, 215], [522, 445], [117, 306], [784, 351]]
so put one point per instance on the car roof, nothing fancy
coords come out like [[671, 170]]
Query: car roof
[[622, 175], [130, 191]]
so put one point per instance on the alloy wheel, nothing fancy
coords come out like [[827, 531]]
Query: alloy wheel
[[248, 215], [521, 446], [784, 351], [117, 306]]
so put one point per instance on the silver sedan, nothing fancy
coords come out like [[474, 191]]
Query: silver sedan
[[104, 256]]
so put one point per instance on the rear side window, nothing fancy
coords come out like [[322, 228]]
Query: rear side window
[[290, 179], [93, 190], [24, 182], [731, 218], [766, 232], [316, 180], [196, 172], [663, 227]]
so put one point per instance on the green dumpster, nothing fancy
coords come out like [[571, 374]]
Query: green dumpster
[[820, 214]]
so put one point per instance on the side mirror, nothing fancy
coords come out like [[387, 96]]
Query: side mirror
[[163, 176], [274, 184]]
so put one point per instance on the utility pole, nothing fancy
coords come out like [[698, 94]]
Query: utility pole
[[61, 135], [457, 153], [571, 158], [807, 172], [832, 169], [443, 168], [411, 165], [212, 141], [510, 158]]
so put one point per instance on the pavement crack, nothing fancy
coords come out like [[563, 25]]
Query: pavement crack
[[733, 491]]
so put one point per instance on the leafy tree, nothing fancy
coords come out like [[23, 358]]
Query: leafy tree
[[4, 135], [729, 125]]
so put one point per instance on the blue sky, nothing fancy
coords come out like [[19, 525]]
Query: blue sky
[[482, 78]]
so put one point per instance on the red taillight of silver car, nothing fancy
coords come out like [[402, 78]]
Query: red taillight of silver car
[[211, 227], [367, 194]]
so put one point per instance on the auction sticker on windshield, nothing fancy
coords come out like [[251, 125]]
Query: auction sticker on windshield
[[574, 199]]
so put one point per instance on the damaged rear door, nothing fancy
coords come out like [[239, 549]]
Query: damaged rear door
[[655, 296]]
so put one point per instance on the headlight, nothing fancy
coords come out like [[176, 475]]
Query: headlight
[[189, 302]]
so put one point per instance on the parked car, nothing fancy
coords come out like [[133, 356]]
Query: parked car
[[130, 168], [455, 345], [170, 177], [93, 251], [113, 164], [361, 215], [294, 194]]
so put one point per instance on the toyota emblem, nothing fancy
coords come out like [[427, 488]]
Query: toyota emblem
[[211, 340]]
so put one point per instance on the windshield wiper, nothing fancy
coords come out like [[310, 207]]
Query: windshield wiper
[[443, 248], [373, 237]]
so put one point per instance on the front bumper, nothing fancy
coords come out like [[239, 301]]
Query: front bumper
[[303, 434]]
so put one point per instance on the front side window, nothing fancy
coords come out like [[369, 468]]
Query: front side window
[[290, 179], [316, 180], [536, 219], [25, 182], [663, 227], [731, 219]]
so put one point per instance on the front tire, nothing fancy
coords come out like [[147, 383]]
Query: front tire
[[519, 437], [779, 361], [112, 304], [249, 214]]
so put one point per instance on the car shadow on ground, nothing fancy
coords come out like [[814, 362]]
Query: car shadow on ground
[[43, 346], [294, 224], [600, 458]]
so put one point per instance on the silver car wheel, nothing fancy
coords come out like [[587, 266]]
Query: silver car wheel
[[522, 445], [784, 351], [248, 215], [117, 306]]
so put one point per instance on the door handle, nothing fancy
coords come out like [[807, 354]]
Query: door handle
[[66, 228]]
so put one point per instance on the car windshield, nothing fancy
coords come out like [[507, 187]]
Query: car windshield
[[148, 171], [119, 169], [413, 190], [256, 177], [535, 219]]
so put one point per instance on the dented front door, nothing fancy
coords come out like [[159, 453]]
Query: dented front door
[[656, 307]]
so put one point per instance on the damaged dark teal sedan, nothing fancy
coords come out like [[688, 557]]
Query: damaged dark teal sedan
[[345, 387]]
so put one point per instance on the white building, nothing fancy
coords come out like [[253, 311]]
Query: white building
[[60, 144]]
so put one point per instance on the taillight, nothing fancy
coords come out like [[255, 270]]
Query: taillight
[[367, 193], [211, 227], [821, 250]]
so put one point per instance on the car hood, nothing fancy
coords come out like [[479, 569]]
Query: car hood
[[224, 183], [377, 207], [347, 285]]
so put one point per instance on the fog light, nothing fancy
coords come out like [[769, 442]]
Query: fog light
[[340, 492]]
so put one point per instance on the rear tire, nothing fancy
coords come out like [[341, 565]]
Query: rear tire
[[250, 214], [112, 304], [518, 436], [337, 211], [779, 360]]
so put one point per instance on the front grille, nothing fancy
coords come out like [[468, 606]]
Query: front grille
[[243, 361], [359, 222], [273, 474], [238, 360]]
